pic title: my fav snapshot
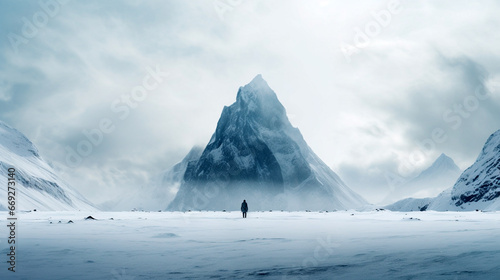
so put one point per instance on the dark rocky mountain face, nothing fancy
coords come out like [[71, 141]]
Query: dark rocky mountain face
[[480, 183], [254, 154]]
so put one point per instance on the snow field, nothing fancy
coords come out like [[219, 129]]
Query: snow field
[[266, 245]]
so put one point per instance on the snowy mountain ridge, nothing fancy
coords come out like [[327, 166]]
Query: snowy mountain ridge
[[441, 175], [256, 154], [478, 187], [481, 181], [442, 164], [37, 185]]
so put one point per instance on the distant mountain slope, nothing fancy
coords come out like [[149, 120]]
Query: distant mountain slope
[[257, 155], [171, 179], [158, 194], [477, 188], [441, 175], [38, 186], [410, 204]]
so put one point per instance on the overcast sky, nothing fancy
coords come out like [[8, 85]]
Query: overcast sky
[[364, 81]]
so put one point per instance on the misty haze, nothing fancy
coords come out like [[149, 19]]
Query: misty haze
[[249, 139]]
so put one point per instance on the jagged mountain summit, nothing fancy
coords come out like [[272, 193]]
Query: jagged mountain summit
[[441, 175], [257, 155], [37, 185], [477, 188]]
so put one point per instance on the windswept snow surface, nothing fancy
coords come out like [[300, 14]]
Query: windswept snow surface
[[266, 245]]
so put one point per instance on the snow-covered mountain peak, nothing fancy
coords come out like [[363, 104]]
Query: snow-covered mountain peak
[[441, 175], [257, 155], [443, 158], [14, 141], [258, 85], [258, 92], [257, 104], [443, 162], [478, 187], [443, 166]]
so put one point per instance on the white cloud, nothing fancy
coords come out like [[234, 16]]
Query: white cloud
[[363, 116]]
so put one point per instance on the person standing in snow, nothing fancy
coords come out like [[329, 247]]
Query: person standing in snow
[[244, 208]]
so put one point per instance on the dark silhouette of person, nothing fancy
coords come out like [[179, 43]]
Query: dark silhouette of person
[[244, 208]]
